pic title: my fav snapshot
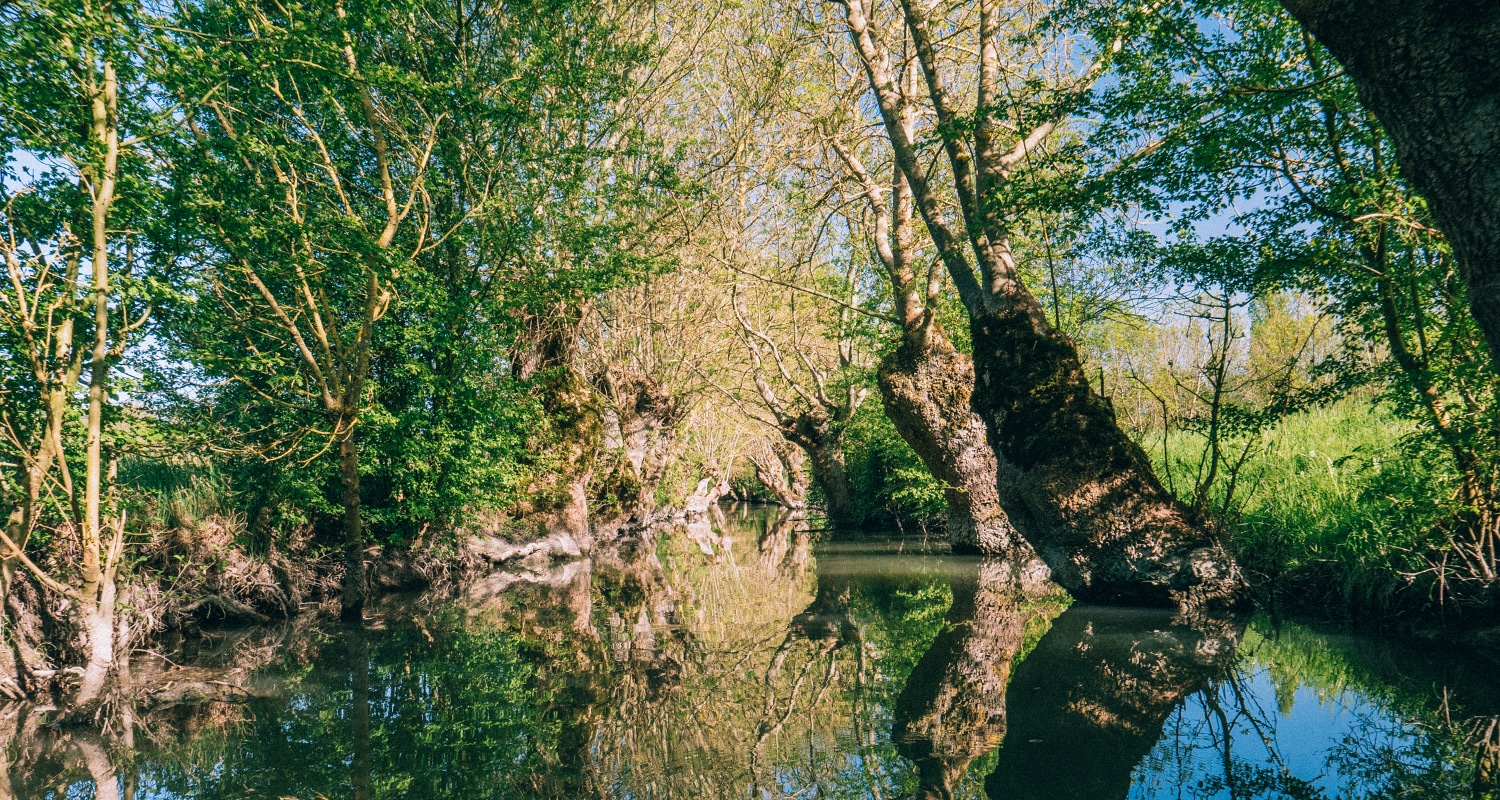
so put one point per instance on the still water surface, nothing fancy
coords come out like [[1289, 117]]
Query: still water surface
[[752, 659]]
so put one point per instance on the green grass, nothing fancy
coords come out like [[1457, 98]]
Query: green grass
[[175, 495], [1337, 507]]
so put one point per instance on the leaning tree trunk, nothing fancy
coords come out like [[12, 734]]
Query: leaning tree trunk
[[1073, 483], [1430, 71], [1076, 486], [926, 391]]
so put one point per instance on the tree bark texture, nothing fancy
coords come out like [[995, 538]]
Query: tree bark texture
[[1430, 71], [640, 424], [356, 587], [560, 498], [1077, 487], [1070, 479], [927, 393], [829, 470], [578, 425], [780, 470], [1091, 700], [952, 708]]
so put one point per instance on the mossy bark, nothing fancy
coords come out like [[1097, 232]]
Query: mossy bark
[[640, 426], [577, 431], [1076, 486], [926, 388]]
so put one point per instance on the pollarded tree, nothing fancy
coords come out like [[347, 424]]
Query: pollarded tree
[[807, 386], [926, 384], [1074, 484]]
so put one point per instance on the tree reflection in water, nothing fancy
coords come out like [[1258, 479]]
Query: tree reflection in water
[[952, 709], [685, 664], [1087, 705]]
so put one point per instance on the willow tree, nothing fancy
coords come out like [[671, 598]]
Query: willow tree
[[305, 175], [72, 103], [926, 383], [1073, 483]]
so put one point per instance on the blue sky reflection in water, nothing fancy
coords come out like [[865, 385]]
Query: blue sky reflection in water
[[766, 663]]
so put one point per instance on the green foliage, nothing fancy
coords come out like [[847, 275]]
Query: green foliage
[[1337, 507], [891, 484], [518, 186]]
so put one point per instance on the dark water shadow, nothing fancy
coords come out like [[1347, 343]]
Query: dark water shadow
[[952, 708], [1089, 703]]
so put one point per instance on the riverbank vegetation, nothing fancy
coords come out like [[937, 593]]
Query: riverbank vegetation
[[306, 301]]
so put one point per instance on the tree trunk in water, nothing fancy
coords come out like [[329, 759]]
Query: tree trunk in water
[[1090, 701], [1080, 491], [952, 708], [926, 391], [97, 618], [355, 587], [781, 472], [1430, 71], [826, 460]]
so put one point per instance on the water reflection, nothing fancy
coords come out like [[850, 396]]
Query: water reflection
[[752, 659], [953, 706], [1088, 704]]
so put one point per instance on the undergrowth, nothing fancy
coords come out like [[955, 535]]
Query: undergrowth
[[1337, 509]]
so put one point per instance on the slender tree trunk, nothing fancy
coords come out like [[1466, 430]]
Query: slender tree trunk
[[98, 595], [355, 584], [1430, 71], [926, 391]]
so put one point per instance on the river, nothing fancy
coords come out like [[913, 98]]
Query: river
[[753, 658]]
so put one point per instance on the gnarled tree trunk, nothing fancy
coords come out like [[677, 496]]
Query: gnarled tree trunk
[[826, 462], [641, 424], [1076, 486], [1430, 70], [560, 499], [780, 470], [926, 384], [1072, 482], [926, 392]]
